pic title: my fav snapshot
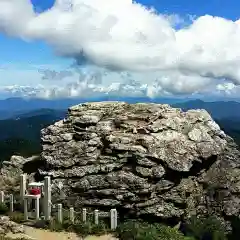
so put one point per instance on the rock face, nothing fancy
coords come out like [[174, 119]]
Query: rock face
[[143, 159], [11, 170], [7, 226], [149, 160]]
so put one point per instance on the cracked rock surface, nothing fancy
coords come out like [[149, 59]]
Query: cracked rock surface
[[143, 159], [7, 226]]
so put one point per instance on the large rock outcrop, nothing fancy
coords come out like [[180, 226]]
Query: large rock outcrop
[[149, 160], [145, 159]]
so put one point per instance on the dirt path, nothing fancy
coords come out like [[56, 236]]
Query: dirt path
[[41, 234]]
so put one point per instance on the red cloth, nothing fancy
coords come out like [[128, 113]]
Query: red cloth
[[35, 191]]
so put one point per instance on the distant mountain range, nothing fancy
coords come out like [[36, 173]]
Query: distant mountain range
[[21, 133], [218, 110], [50, 114], [28, 125], [12, 107], [20, 127]]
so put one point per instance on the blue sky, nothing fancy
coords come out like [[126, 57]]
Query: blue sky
[[20, 60], [15, 50], [224, 8]]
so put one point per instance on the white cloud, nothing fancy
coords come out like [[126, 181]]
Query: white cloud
[[48, 74], [126, 36], [92, 82], [226, 86], [23, 90], [228, 89]]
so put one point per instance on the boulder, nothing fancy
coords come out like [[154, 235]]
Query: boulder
[[7, 226], [149, 160], [146, 160], [11, 170]]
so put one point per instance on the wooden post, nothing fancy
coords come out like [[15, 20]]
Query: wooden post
[[59, 213], [2, 197], [23, 186], [96, 217], [71, 214], [11, 200], [47, 198], [84, 215], [25, 209], [113, 217], [37, 206]]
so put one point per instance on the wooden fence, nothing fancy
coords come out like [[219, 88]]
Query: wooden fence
[[59, 213]]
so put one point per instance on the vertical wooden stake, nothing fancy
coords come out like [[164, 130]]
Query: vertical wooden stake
[[47, 198], [113, 219], [23, 186], [96, 217], [1, 197], [84, 215], [25, 209], [59, 213], [37, 206], [71, 214], [11, 200]]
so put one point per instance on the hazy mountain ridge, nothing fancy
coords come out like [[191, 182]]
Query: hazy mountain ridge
[[11, 107], [28, 125], [47, 112], [20, 133], [218, 109]]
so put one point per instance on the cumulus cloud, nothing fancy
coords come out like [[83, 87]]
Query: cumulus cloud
[[97, 82], [48, 74], [125, 36], [23, 90], [228, 89]]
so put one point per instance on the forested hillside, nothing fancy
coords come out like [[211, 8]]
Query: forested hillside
[[21, 133]]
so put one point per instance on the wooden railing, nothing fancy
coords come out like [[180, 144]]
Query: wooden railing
[[50, 210]]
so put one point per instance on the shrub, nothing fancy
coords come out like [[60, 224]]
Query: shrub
[[3, 208], [135, 230], [235, 223], [100, 229], [88, 228], [168, 233], [205, 228], [82, 229], [139, 230], [17, 217], [55, 226]]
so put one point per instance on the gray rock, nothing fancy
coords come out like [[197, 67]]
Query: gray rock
[[11, 170], [130, 145], [148, 159], [8, 226]]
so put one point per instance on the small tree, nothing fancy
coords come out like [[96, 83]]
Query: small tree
[[139, 230], [205, 228], [3, 208]]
